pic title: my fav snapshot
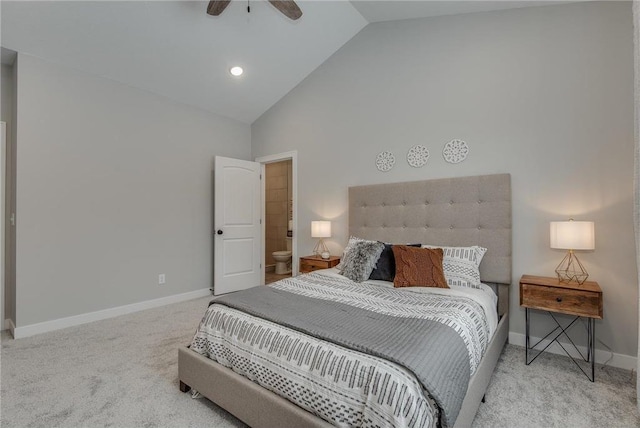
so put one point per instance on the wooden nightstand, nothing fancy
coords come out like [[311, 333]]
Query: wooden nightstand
[[311, 263], [549, 294]]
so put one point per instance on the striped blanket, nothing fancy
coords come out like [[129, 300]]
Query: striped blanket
[[301, 339]]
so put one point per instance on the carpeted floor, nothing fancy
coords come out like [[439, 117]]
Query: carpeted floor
[[122, 372]]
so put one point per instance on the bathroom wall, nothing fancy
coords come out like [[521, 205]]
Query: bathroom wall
[[278, 194]]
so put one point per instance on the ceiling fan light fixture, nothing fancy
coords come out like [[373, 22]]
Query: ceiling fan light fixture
[[236, 71]]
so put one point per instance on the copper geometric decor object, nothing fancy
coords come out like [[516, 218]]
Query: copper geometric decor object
[[571, 270]]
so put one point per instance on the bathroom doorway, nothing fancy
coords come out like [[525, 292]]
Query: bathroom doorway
[[278, 225]]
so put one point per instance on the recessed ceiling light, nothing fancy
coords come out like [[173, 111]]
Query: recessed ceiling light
[[236, 71]]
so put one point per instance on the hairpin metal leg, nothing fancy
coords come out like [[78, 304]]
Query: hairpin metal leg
[[592, 347], [526, 348]]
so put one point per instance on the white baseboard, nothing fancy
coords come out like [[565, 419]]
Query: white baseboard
[[43, 327], [627, 362]]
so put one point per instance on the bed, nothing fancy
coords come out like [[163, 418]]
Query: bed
[[453, 212]]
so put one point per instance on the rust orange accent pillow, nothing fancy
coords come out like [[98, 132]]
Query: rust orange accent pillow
[[418, 267]]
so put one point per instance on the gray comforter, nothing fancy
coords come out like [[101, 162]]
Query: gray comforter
[[434, 352]]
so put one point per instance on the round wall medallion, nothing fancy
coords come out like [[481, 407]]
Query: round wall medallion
[[385, 161], [455, 151], [418, 156]]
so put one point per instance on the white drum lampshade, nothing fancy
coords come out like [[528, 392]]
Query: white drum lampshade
[[321, 229], [573, 235]]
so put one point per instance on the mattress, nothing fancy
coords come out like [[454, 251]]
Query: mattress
[[338, 384]]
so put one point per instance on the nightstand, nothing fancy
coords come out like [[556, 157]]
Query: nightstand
[[551, 295], [311, 263]]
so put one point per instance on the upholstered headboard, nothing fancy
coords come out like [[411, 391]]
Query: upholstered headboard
[[461, 211]]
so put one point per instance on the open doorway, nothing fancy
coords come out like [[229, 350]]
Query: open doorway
[[279, 255], [278, 220]]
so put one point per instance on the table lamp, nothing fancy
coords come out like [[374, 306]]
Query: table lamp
[[572, 235], [321, 229]]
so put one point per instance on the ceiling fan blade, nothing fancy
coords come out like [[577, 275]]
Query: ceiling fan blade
[[288, 7], [216, 7]]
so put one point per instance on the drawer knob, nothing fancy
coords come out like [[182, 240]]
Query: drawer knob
[[558, 299]]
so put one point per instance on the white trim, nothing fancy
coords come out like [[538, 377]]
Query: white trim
[[3, 169], [636, 156], [43, 327], [293, 155], [627, 362], [263, 223]]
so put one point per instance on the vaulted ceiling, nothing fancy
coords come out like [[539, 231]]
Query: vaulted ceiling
[[173, 48]]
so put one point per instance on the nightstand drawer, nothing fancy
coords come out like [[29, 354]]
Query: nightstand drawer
[[317, 264], [305, 268], [311, 263], [568, 301]]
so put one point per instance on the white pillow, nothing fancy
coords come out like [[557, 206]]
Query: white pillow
[[461, 264]]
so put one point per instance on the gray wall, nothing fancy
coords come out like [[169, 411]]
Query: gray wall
[[545, 94], [114, 188]]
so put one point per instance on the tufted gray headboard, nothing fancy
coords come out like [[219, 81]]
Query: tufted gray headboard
[[450, 212]]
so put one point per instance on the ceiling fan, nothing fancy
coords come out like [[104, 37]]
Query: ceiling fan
[[288, 7]]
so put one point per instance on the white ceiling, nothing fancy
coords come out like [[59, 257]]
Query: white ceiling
[[173, 48], [378, 11]]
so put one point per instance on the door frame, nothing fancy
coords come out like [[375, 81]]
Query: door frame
[[263, 161], [3, 169]]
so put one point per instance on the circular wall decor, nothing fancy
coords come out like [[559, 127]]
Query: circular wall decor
[[385, 161], [418, 156], [455, 151]]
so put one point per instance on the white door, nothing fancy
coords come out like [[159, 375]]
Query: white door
[[237, 229]]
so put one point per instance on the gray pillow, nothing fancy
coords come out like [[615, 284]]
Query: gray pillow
[[359, 262], [345, 253]]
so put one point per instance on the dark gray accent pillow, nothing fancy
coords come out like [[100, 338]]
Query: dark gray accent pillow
[[361, 259], [385, 269]]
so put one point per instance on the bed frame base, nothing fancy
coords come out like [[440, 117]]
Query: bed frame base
[[249, 402], [481, 378], [260, 408]]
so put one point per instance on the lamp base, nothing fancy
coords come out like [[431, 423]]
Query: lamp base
[[571, 270], [320, 248]]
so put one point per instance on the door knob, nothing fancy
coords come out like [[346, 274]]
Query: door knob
[[220, 232]]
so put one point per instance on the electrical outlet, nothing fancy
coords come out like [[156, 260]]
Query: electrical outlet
[[161, 279]]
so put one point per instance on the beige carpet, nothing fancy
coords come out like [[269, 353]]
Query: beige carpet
[[122, 372]]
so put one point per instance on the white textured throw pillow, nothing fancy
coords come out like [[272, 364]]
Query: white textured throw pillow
[[461, 264], [361, 260], [352, 241]]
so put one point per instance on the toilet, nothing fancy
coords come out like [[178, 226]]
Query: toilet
[[283, 259]]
